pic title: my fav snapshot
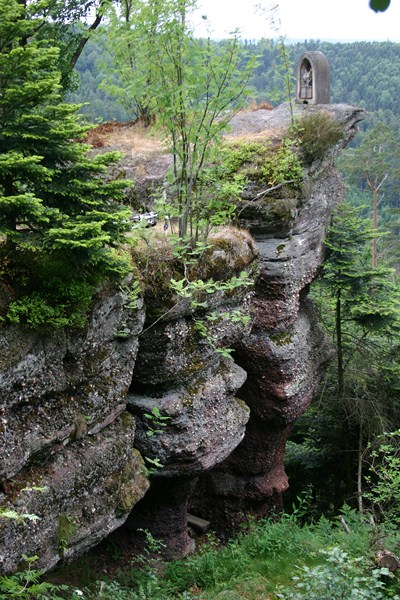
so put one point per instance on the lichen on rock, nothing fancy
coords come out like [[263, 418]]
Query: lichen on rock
[[62, 398]]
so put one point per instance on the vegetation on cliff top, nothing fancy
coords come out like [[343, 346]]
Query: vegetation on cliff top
[[61, 222], [187, 88]]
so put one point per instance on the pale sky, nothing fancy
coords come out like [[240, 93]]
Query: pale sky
[[343, 20]]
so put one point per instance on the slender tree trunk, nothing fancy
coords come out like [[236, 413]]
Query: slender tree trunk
[[359, 468], [339, 344], [347, 468], [374, 186], [83, 41], [375, 219]]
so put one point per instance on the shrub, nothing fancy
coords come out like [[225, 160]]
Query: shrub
[[317, 132], [339, 578], [58, 304], [275, 163], [384, 477]]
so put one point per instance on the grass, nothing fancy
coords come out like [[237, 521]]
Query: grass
[[132, 138], [253, 566]]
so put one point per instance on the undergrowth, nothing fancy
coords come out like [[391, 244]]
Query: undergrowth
[[271, 559]]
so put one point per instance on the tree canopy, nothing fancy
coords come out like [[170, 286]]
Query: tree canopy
[[61, 221]]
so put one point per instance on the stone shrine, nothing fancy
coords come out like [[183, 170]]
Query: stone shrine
[[313, 79]]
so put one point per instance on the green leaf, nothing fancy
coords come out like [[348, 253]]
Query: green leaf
[[379, 5]]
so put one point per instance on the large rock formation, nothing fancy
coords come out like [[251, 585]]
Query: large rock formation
[[70, 455], [66, 444], [78, 409], [179, 372], [285, 351]]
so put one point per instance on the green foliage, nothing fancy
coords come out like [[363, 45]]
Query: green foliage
[[28, 584], [152, 548], [57, 210], [372, 171], [367, 74], [261, 562], [196, 292], [379, 5], [375, 158], [359, 396], [68, 25], [153, 465], [67, 308], [189, 87], [17, 517], [283, 68], [157, 421], [367, 294], [272, 163], [384, 477], [65, 530], [317, 132], [339, 578]]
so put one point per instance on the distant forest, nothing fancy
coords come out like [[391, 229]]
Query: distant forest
[[365, 74]]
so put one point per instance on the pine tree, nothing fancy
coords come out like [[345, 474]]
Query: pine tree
[[61, 221], [374, 166], [360, 395], [363, 296], [360, 307]]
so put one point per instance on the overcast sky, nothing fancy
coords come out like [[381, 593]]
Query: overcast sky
[[345, 20]]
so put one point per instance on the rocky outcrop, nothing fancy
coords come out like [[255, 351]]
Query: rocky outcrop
[[67, 444], [80, 409], [71, 468], [180, 374], [285, 350]]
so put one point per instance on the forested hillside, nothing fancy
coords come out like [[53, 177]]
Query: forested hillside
[[363, 73]]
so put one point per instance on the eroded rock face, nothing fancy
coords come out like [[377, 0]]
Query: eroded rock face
[[75, 405], [64, 429], [69, 445], [82, 493], [179, 373], [285, 351], [204, 421]]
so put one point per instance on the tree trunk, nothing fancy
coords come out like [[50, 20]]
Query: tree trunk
[[359, 469], [374, 245], [339, 344]]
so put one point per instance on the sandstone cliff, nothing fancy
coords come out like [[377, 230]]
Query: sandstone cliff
[[75, 405], [285, 351]]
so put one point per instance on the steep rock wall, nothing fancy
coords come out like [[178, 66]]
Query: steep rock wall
[[74, 404], [285, 351], [70, 444], [66, 442], [194, 387]]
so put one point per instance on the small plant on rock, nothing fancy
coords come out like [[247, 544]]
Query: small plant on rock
[[316, 133]]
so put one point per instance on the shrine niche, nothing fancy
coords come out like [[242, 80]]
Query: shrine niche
[[313, 79]]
